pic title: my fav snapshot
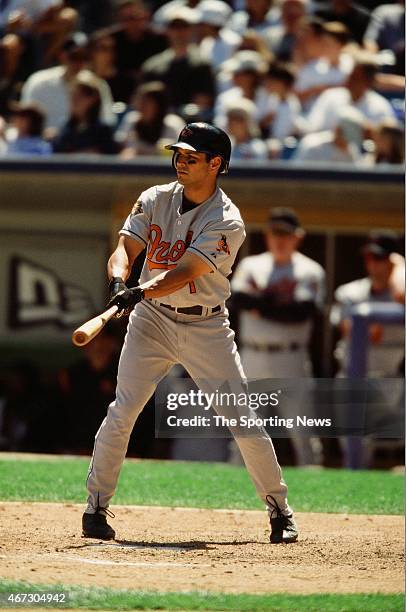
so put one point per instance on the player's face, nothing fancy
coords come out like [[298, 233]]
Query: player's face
[[192, 168], [282, 245], [378, 268]]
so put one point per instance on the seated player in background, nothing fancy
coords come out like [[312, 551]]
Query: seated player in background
[[278, 293]]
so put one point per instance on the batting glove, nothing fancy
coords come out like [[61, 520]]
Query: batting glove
[[123, 297]]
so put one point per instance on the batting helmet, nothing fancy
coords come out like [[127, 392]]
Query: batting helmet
[[205, 138]]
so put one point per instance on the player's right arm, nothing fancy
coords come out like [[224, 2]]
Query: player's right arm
[[122, 259]]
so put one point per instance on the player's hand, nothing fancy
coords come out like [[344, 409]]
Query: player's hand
[[123, 297]]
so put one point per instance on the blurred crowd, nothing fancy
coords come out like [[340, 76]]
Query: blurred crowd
[[297, 80]]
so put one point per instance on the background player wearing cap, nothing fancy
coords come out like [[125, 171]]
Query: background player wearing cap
[[386, 348], [382, 284], [278, 293], [192, 232]]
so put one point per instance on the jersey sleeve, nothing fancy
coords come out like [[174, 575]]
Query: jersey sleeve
[[137, 224], [218, 244], [242, 277]]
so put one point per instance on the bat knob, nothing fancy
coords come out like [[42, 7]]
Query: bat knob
[[79, 338]]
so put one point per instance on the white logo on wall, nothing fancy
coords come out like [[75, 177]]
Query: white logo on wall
[[39, 297]]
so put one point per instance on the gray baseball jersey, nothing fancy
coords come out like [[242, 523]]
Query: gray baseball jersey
[[300, 280], [383, 358], [158, 337], [214, 231]]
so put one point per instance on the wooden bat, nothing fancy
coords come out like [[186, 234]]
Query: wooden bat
[[86, 332]]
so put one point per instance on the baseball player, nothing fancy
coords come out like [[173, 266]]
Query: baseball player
[[386, 342], [278, 293], [192, 232]]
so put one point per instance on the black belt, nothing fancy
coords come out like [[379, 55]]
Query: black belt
[[274, 348], [191, 310]]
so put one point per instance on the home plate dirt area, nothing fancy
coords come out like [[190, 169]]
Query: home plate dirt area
[[179, 549]]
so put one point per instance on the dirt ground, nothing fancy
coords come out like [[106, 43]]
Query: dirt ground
[[174, 549]]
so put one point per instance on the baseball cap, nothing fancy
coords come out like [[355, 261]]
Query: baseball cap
[[214, 12], [183, 14], [204, 137], [381, 244], [284, 220], [246, 61]]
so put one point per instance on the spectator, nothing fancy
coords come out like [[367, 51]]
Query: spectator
[[189, 78], [12, 67], [258, 15], [163, 13], [343, 144], [278, 293], [280, 119], [102, 61], [48, 21], [329, 66], [244, 131], [84, 131], [247, 69], [389, 140], [93, 14], [282, 38], [27, 125], [386, 30], [252, 41], [3, 143], [135, 42], [50, 87], [218, 42], [352, 15], [358, 93], [146, 130]]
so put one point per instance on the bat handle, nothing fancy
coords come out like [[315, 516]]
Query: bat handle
[[86, 332]]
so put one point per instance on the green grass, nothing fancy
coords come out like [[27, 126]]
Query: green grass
[[102, 599], [203, 485]]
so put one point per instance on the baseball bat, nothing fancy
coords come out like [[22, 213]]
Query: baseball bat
[[86, 332]]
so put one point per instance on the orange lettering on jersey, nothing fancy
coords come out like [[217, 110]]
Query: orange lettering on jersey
[[160, 252]]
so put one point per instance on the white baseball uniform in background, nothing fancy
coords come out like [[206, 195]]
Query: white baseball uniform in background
[[383, 357], [275, 349], [158, 337]]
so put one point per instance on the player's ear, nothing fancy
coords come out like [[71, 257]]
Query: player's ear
[[215, 163]]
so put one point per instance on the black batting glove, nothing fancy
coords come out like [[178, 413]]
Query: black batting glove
[[126, 299], [115, 286]]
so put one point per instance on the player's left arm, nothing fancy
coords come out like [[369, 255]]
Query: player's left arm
[[188, 269]]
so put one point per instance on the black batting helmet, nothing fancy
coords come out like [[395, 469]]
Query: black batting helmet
[[205, 138]]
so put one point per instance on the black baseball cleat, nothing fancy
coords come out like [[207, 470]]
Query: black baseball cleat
[[96, 526], [283, 527]]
